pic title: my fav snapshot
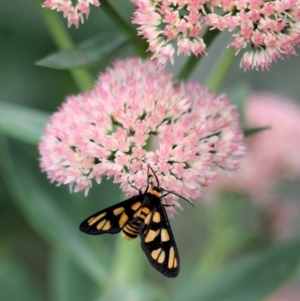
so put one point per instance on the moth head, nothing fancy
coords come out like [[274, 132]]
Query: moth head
[[156, 191]]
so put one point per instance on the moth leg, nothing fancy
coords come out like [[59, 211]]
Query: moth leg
[[169, 192]]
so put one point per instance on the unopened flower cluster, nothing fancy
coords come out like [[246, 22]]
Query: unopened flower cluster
[[74, 14], [105, 132]]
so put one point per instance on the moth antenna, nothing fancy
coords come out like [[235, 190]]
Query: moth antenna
[[149, 167], [180, 196]]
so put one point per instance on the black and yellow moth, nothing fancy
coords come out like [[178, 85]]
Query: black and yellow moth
[[144, 215]]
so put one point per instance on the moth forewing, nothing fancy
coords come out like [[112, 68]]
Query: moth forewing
[[112, 219], [157, 240]]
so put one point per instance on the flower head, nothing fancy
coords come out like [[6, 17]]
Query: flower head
[[104, 132], [267, 29], [163, 21], [74, 14]]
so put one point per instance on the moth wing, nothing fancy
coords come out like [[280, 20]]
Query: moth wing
[[112, 219], [158, 243]]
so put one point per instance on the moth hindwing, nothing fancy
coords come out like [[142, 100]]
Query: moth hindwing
[[142, 215]]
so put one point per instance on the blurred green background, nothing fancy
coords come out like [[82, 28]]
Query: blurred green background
[[227, 251]]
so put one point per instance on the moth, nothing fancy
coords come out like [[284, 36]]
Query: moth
[[143, 215]]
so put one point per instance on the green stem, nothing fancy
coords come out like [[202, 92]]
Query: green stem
[[139, 44], [216, 251], [126, 271], [127, 267], [220, 71], [63, 41], [188, 68], [193, 61], [128, 264], [222, 238]]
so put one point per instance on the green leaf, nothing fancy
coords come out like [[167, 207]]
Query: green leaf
[[22, 123], [252, 131], [250, 279], [51, 216], [88, 53], [238, 96], [16, 282]]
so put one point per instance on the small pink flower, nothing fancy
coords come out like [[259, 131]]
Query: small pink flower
[[104, 133], [74, 14], [257, 59]]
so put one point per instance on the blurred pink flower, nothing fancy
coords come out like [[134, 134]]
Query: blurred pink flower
[[286, 294], [74, 14], [104, 133], [272, 156], [278, 145]]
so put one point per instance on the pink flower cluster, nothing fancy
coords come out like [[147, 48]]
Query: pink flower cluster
[[104, 132], [74, 14], [267, 28], [162, 21]]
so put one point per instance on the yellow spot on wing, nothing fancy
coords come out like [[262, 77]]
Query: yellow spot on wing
[[161, 257], [137, 214], [156, 217], [95, 219], [101, 224], [164, 235], [155, 253], [148, 218], [151, 235], [145, 210], [106, 226], [123, 219], [171, 257], [119, 210], [175, 263], [136, 206]]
